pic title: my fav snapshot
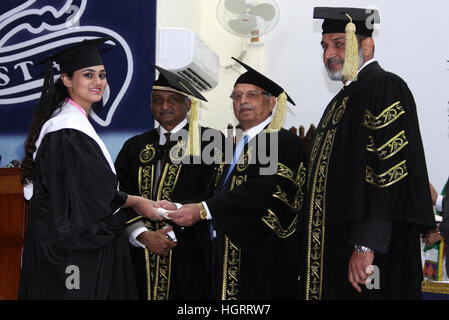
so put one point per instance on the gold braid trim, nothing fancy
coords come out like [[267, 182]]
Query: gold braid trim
[[329, 115], [313, 153], [272, 221], [286, 172], [282, 195], [148, 272], [300, 181], [388, 178], [158, 267], [388, 116], [219, 173], [316, 224], [231, 270], [390, 148], [134, 219]]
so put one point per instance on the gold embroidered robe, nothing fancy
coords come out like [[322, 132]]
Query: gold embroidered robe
[[367, 185]]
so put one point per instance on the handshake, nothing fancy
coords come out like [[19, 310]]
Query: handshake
[[185, 216]]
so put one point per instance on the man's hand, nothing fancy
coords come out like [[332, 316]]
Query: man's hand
[[157, 241], [433, 193], [167, 205], [431, 238], [145, 207], [186, 216], [357, 269]]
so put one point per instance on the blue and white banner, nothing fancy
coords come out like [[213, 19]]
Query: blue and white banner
[[32, 30]]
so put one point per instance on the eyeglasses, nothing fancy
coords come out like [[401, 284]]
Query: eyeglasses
[[250, 94], [172, 100]]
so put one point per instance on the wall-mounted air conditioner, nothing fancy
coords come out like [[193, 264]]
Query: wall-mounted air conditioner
[[184, 53]]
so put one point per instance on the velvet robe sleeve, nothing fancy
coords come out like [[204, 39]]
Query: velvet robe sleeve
[[391, 183], [77, 193], [125, 165]]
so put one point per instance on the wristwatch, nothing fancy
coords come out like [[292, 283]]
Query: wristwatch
[[203, 212], [360, 249]]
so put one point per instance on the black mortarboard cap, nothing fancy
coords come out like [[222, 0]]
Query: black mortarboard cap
[[336, 19], [81, 55], [254, 77], [169, 81]]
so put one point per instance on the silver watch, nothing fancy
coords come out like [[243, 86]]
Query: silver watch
[[359, 249]]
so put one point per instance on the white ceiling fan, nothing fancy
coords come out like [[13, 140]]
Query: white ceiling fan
[[248, 18]]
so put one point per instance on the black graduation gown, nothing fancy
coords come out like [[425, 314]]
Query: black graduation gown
[[368, 185], [255, 254], [72, 234], [180, 274]]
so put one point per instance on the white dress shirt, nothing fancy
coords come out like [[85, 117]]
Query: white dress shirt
[[251, 133]]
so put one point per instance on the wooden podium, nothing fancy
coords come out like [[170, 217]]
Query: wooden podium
[[13, 218]]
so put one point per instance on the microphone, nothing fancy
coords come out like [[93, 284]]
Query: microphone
[[13, 164]]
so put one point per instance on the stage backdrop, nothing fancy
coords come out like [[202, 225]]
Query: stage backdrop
[[32, 30]]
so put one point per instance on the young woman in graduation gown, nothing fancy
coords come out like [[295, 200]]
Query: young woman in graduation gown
[[74, 248]]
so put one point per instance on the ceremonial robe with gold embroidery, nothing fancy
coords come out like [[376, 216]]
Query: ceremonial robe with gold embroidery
[[367, 185], [180, 274], [255, 254]]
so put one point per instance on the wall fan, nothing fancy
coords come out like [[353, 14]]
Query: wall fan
[[248, 18]]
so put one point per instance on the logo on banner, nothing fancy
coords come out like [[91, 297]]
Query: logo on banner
[[50, 29]]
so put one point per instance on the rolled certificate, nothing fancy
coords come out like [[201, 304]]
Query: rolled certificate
[[163, 212]]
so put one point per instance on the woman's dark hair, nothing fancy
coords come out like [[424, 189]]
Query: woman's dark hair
[[52, 97]]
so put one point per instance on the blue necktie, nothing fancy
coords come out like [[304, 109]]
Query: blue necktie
[[237, 152]]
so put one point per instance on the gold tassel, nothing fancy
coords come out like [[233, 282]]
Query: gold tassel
[[193, 139], [351, 65], [278, 118]]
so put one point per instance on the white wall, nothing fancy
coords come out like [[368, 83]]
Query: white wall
[[411, 42], [200, 16]]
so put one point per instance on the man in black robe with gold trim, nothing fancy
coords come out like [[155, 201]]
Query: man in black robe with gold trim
[[257, 202], [368, 195], [155, 167]]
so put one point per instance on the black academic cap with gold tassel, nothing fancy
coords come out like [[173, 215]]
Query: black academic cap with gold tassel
[[169, 81], [350, 21], [254, 77]]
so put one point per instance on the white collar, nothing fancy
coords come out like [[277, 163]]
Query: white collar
[[254, 131], [364, 65], [162, 130]]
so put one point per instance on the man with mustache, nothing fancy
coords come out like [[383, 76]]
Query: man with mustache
[[368, 195], [254, 213], [157, 166]]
